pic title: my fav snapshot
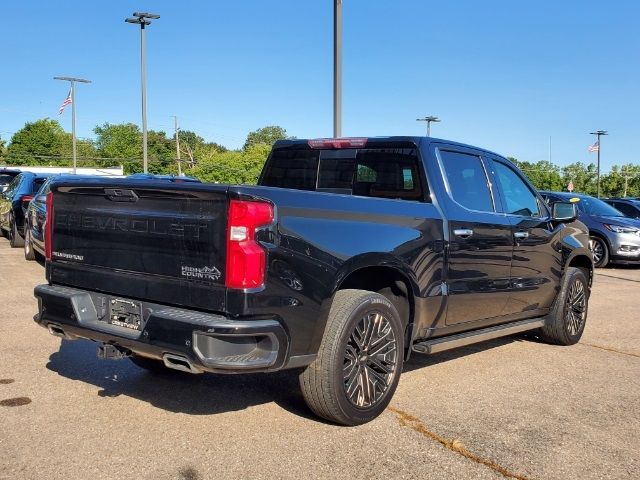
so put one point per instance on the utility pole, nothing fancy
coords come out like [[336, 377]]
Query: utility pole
[[72, 82], [598, 134], [175, 123], [337, 68], [142, 19], [428, 119]]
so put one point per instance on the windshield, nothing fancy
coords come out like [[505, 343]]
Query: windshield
[[593, 206]]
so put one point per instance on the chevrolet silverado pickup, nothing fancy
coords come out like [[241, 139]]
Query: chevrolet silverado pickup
[[349, 255]]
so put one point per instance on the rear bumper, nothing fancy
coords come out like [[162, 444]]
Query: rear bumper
[[208, 342]]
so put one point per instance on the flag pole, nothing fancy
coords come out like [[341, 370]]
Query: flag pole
[[72, 81], [73, 125]]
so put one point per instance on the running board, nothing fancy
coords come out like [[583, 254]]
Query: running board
[[467, 338]]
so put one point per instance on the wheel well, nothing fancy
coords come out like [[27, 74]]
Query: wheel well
[[389, 283], [584, 263]]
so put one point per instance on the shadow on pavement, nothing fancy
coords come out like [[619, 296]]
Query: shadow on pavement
[[208, 394], [420, 360], [176, 391]]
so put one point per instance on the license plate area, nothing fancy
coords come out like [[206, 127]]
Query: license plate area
[[125, 313]]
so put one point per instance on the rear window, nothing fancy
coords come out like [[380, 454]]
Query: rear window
[[37, 183], [370, 172]]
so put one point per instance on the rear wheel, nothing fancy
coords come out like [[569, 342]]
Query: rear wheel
[[29, 253], [359, 362], [565, 324], [600, 252], [15, 240]]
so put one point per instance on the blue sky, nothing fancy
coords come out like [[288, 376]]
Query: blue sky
[[503, 75]]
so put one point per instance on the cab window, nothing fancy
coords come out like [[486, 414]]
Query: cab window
[[518, 197]]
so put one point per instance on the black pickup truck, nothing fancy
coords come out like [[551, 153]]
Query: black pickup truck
[[349, 255]]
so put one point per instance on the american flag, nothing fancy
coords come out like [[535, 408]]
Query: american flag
[[66, 102], [595, 147]]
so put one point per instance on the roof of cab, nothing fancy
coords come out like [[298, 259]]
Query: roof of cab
[[383, 141]]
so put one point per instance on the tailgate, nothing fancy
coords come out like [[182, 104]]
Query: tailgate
[[150, 240]]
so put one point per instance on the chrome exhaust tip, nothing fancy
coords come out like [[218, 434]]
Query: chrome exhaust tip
[[178, 362]]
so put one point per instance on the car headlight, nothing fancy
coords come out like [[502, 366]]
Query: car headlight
[[621, 229]]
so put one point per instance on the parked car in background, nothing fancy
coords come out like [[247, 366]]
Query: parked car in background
[[6, 177], [14, 202], [34, 222], [629, 206], [613, 237]]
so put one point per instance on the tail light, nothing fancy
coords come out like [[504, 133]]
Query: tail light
[[25, 199], [338, 143], [48, 227], [246, 259]]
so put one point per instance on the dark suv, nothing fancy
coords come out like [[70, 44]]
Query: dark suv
[[612, 236], [629, 206], [14, 202]]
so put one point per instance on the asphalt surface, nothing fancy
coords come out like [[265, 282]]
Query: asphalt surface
[[511, 407]]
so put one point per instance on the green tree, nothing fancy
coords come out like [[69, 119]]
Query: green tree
[[235, 167], [543, 174], [583, 177], [266, 135], [38, 143], [621, 181], [121, 142]]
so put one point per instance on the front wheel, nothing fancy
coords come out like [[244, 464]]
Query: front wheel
[[565, 324], [359, 362], [600, 252], [29, 253]]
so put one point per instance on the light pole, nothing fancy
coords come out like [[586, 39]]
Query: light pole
[[142, 19], [72, 82], [337, 68], [598, 134], [428, 119]]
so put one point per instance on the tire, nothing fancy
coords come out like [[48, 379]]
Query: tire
[[565, 324], [354, 316], [600, 252], [151, 365], [29, 252], [15, 240]]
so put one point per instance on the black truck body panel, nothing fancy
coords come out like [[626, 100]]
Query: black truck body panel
[[164, 247]]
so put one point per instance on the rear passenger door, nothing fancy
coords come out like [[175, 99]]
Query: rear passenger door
[[536, 268], [480, 238]]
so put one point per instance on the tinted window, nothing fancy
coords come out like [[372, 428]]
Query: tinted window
[[519, 198], [37, 183], [372, 172], [628, 210], [467, 180], [295, 169]]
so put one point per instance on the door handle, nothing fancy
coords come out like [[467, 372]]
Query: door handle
[[463, 232], [521, 235]]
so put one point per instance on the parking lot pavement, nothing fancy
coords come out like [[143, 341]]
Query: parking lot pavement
[[511, 407]]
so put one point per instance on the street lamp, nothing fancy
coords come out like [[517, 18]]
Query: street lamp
[[428, 119], [72, 82], [598, 134], [337, 68], [142, 19]]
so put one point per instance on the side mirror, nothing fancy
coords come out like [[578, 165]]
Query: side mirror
[[564, 212], [41, 198]]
